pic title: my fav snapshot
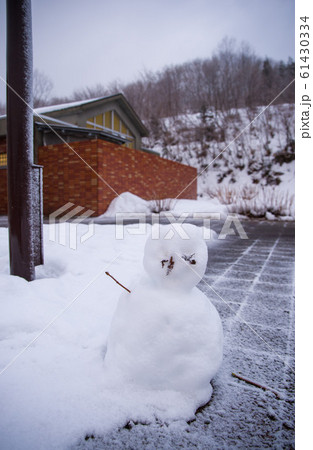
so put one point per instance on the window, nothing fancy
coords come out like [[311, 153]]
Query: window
[[110, 120], [3, 159]]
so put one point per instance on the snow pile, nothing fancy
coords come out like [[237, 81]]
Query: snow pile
[[129, 204], [202, 207], [166, 335], [53, 385]]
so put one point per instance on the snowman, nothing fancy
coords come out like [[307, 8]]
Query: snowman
[[166, 334]]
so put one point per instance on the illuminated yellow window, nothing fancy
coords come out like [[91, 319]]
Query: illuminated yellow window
[[99, 120], [108, 119], [3, 159], [111, 120], [90, 122], [123, 128], [117, 122]]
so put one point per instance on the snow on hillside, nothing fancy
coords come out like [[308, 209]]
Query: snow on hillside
[[244, 149]]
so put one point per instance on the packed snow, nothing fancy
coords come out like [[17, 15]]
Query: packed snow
[[54, 386], [127, 203]]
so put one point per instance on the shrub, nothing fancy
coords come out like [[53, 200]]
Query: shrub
[[162, 204]]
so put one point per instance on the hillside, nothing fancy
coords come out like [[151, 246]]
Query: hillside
[[244, 157]]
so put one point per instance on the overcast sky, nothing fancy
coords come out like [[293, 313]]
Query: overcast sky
[[81, 43]]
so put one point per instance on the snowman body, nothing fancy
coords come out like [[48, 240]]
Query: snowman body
[[166, 334]]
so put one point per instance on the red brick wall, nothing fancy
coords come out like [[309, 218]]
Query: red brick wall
[[144, 174], [66, 178]]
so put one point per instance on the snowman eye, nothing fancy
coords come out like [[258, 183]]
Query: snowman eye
[[188, 258], [170, 265]]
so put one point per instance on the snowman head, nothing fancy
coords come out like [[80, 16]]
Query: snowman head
[[176, 258]]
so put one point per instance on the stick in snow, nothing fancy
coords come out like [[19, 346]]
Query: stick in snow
[[265, 388], [107, 273]]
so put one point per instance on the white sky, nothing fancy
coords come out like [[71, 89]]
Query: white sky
[[79, 43]]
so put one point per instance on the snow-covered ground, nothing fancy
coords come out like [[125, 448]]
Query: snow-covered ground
[[57, 326], [53, 385]]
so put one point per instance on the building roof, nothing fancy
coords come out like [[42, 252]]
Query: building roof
[[59, 110], [53, 112], [74, 131]]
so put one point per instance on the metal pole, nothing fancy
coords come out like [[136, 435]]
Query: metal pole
[[20, 136]]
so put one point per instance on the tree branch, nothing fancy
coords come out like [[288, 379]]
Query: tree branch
[[265, 388], [107, 273]]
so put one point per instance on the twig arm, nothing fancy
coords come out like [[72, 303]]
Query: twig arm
[[120, 284]]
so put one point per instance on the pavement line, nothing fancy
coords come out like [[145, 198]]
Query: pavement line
[[250, 290], [236, 262], [237, 313]]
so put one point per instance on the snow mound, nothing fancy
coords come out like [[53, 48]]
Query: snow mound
[[127, 203], [202, 207]]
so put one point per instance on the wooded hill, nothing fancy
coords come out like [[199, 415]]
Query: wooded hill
[[234, 77]]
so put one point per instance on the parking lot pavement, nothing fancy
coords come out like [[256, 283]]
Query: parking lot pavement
[[251, 283]]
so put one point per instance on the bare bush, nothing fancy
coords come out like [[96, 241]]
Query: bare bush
[[163, 204], [266, 200], [229, 195]]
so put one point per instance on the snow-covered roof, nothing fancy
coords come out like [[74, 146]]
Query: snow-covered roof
[[60, 106], [56, 110], [51, 108]]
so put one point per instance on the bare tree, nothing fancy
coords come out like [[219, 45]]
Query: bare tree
[[90, 92], [42, 88]]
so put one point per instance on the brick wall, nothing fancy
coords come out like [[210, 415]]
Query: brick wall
[[66, 178], [144, 174]]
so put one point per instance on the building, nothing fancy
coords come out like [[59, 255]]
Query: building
[[91, 151]]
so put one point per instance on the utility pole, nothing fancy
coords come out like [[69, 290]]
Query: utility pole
[[23, 178]]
